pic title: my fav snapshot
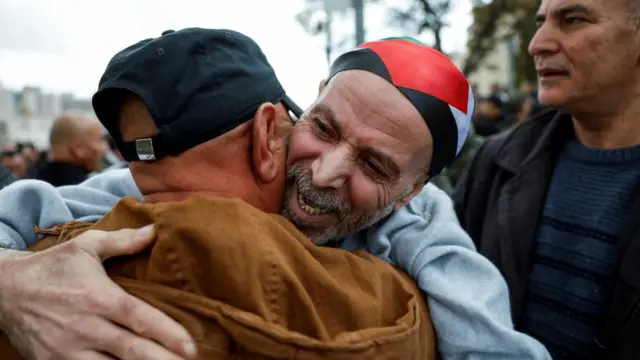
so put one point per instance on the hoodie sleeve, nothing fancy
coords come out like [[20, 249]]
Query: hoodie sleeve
[[467, 296], [26, 203]]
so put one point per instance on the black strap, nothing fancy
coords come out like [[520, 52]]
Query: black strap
[[292, 106]]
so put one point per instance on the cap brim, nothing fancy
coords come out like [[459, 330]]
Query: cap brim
[[292, 106]]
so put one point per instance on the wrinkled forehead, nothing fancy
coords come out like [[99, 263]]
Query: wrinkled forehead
[[563, 7], [365, 99], [369, 113]]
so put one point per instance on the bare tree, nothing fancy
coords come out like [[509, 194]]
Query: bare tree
[[416, 17], [423, 15], [483, 35], [419, 16]]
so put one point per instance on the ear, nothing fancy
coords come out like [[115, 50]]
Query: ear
[[321, 85], [410, 194], [265, 159]]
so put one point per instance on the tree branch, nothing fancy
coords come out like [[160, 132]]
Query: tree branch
[[482, 40]]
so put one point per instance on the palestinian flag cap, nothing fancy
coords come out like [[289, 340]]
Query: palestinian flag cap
[[429, 79]]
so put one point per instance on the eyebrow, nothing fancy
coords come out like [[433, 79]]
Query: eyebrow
[[566, 10], [327, 113], [386, 161]]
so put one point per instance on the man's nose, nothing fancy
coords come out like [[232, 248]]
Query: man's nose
[[333, 168], [544, 41]]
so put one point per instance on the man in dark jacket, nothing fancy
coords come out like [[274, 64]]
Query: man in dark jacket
[[555, 202]]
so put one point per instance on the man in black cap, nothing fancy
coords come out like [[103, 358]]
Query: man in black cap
[[224, 66]]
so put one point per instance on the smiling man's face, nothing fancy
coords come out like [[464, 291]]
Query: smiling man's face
[[359, 152]]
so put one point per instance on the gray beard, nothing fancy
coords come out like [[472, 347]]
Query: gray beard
[[348, 224]]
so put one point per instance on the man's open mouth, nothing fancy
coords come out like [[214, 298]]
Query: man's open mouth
[[308, 207], [546, 73]]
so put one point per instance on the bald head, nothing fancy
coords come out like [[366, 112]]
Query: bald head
[[67, 127], [77, 139]]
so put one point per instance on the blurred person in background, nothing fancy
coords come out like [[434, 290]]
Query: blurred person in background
[[488, 118], [6, 176], [28, 150], [15, 162], [77, 146], [32, 157], [499, 94], [528, 108], [528, 90], [527, 104]]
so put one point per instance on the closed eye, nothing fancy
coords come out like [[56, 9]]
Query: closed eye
[[574, 20], [373, 167], [323, 130], [322, 127]]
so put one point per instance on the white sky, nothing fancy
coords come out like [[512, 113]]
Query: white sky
[[64, 45]]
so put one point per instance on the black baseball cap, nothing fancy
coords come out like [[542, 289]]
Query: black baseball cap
[[197, 84]]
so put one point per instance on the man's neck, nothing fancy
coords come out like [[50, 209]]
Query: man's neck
[[167, 196], [175, 179], [616, 129]]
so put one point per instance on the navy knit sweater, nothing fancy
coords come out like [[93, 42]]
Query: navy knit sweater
[[574, 254]]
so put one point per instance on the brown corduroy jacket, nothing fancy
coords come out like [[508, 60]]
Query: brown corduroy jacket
[[249, 285]]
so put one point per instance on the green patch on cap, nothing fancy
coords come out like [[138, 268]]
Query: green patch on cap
[[408, 38]]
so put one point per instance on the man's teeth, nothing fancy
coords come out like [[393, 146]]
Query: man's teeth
[[309, 209]]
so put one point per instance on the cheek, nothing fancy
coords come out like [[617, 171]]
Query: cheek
[[303, 145], [588, 57], [600, 58], [366, 195]]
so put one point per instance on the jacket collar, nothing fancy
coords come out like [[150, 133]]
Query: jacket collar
[[546, 131]]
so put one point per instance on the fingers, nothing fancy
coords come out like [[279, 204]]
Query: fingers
[[122, 344], [150, 323], [108, 244], [94, 356], [128, 311]]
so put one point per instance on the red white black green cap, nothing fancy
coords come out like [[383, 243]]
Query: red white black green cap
[[429, 79]]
